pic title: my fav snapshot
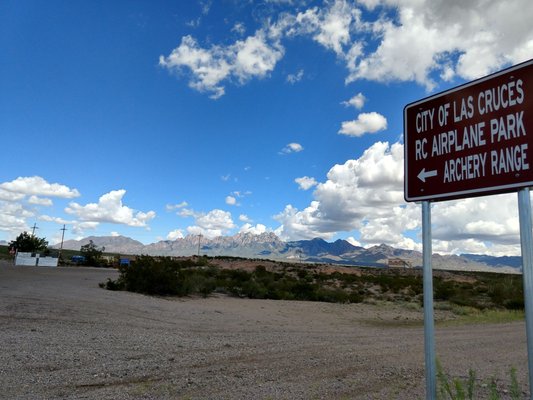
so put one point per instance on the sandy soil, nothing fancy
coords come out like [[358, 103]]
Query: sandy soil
[[62, 337]]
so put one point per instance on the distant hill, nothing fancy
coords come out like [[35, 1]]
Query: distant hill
[[317, 247], [268, 245], [505, 261], [114, 244]]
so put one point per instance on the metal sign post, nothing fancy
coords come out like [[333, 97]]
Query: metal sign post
[[526, 242], [429, 323]]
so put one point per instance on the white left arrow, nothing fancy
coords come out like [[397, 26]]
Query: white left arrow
[[426, 174]]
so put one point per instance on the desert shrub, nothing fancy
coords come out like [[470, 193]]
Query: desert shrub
[[443, 290], [457, 389], [355, 297], [255, 290], [383, 281], [236, 276], [507, 292], [465, 300], [350, 279], [332, 295], [202, 261], [304, 290], [150, 276], [516, 303], [166, 276], [322, 277], [208, 286], [111, 285], [303, 274]]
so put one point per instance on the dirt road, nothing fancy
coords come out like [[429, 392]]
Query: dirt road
[[62, 337]]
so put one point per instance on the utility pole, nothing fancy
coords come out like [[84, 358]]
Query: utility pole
[[199, 239], [62, 237], [33, 229]]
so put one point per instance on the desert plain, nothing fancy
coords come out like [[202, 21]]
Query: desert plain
[[64, 337]]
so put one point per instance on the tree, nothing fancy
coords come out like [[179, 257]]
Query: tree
[[92, 253], [29, 243]]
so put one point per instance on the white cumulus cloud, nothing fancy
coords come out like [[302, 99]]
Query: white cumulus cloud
[[254, 57], [365, 123], [79, 227], [470, 39], [331, 26], [366, 195], [57, 220], [19, 197], [255, 230], [40, 201], [231, 201], [13, 218], [353, 241], [305, 182], [294, 78], [358, 101], [38, 186], [175, 234], [172, 207], [239, 28], [305, 224], [110, 209], [244, 218], [212, 224], [6, 195], [406, 40], [291, 148]]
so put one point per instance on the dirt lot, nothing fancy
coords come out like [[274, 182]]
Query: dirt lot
[[62, 337]]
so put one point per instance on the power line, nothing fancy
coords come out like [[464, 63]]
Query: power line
[[33, 229]]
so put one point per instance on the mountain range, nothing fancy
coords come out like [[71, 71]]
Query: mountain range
[[269, 246]]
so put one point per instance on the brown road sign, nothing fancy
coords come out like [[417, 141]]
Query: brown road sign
[[473, 140]]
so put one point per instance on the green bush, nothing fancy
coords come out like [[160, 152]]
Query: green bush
[[92, 254], [111, 285], [29, 243], [166, 276], [163, 276], [150, 276], [443, 290]]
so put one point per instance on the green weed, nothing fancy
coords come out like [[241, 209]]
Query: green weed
[[457, 389]]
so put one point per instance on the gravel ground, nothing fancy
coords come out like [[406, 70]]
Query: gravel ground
[[62, 337]]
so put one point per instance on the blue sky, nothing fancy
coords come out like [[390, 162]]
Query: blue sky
[[155, 120]]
